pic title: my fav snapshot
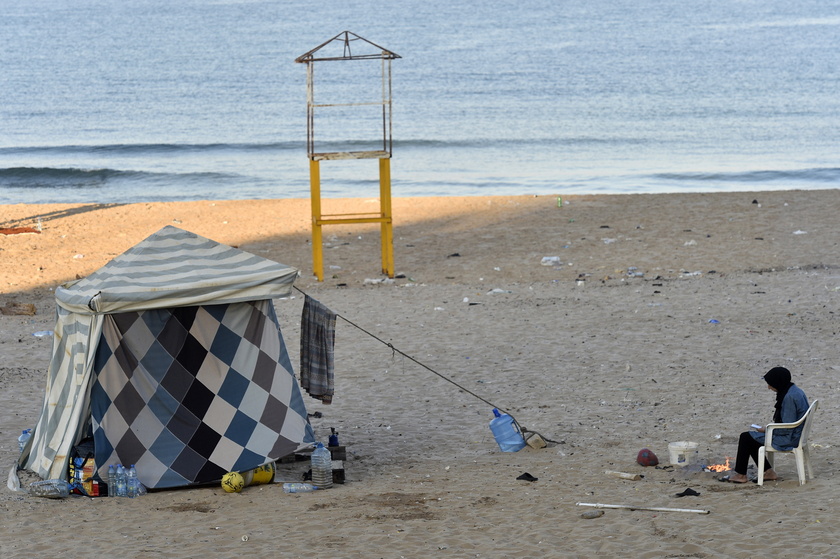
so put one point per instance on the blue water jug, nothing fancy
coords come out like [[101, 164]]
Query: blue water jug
[[506, 432]]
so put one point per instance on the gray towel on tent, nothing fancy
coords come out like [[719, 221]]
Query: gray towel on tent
[[317, 342]]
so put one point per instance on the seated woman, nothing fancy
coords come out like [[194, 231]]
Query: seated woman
[[791, 405]]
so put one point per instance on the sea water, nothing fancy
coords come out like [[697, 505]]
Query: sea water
[[110, 102]]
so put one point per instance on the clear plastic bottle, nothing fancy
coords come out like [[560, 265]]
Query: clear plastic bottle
[[50, 488], [121, 481], [132, 483], [321, 467], [24, 436], [112, 481], [298, 487], [78, 464]]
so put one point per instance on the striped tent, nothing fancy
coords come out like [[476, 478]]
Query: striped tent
[[171, 358]]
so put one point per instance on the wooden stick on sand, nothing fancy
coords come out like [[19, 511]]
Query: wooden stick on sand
[[633, 507], [623, 475]]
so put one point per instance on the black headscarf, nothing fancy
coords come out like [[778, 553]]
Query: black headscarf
[[778, 378]]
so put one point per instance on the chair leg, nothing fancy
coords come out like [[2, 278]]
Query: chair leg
[[761, 465], [807, 453], [800, 465]]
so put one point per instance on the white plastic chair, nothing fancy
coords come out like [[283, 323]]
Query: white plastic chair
[[801, 452]]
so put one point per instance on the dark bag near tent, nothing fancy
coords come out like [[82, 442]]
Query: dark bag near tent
[[84, 480]]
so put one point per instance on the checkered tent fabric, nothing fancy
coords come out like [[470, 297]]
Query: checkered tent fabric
[[200, 308], [188, 394]]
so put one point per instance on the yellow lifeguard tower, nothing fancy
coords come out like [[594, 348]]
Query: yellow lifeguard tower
[[363, 123]]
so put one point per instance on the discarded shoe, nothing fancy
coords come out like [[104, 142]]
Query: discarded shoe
[[688, 493], [727, 479]]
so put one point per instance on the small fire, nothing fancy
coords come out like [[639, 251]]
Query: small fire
[[719, 467]]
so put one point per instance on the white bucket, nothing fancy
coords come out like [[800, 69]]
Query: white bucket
[[681, 452]]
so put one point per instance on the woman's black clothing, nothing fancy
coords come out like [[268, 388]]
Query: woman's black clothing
[[778, 378], [748, 448]]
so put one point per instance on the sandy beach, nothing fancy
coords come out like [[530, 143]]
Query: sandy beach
[[608, 325]]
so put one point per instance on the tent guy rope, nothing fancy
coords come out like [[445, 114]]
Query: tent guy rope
[[444, 377]]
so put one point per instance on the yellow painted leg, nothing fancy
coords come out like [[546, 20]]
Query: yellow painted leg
[[315, 198], [385, 209]]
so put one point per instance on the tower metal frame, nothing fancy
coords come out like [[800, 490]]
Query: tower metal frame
[[340, 48]]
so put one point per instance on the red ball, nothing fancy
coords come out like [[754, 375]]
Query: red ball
[[646, 457]]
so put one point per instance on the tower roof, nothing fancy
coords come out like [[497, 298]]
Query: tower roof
[[347, 46]]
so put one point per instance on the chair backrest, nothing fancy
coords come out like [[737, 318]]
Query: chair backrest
[[809, 419]]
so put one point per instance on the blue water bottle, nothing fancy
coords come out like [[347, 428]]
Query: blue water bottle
[[132, 484], [506, 432], [121, 482]]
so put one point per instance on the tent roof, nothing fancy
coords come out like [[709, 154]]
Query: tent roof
[[176, 268]]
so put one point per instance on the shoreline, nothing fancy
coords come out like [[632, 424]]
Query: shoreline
[[80, 238]]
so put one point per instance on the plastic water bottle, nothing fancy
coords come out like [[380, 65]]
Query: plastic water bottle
[[24, 436], [121, 481], [132, 483], [321, 467], [77, 482], [50, 488], [112, 481], [505, 432], [298, 487]]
